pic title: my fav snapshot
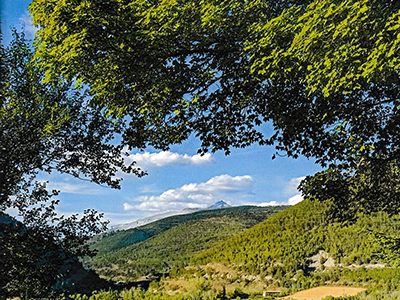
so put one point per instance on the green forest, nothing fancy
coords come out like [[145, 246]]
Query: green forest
[[170, 243], [103, 77], [293, 249]]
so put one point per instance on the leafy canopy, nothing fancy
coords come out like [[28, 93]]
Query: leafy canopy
[[342, 45], [367, 189], [171, 67], [49, 127], [46, 127], [322, 73]]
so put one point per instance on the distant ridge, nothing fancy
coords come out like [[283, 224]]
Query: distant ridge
[[151, 219]]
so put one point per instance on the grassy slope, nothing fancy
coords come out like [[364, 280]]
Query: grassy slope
[[171, 242]]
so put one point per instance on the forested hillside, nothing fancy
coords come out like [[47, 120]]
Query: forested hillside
[[284, 244], [297, 239], [171, 242], [294, 249]]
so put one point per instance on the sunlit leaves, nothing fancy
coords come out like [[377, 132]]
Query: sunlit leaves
[[229, 67], [46, 127], [342, 44], [147, 60]]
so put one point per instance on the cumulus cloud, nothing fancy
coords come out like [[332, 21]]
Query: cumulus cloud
[[128, 206], [26, 22], [291, 191], [160, 159], [291, 188], [295, 199], [196, 195]]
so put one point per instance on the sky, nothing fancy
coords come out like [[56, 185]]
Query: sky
[[178, 178]]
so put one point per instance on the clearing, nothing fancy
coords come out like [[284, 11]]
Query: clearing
[[321, 292]]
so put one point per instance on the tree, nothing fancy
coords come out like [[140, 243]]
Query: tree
[[50, 127], [368, 188], [158, 63], [323, 73], [38, 257], [221, 69], [46, 127], [349, 194], [345, 54], [342, 45]]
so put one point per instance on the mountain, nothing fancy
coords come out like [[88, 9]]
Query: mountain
[[151, 219], [282, 246], [7, 220], [219, 205], [171, 242]]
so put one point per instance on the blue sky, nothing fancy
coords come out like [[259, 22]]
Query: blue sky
[[178, 178]]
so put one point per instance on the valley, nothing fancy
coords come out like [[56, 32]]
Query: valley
[[172, 242], [252, 252]]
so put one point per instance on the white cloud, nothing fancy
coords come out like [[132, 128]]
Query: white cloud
[[128, 206], [195, 195], [76, 187], [291, 188], [292, 191], [295, 199], [160, 159], [26, 22], [148, 189]]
